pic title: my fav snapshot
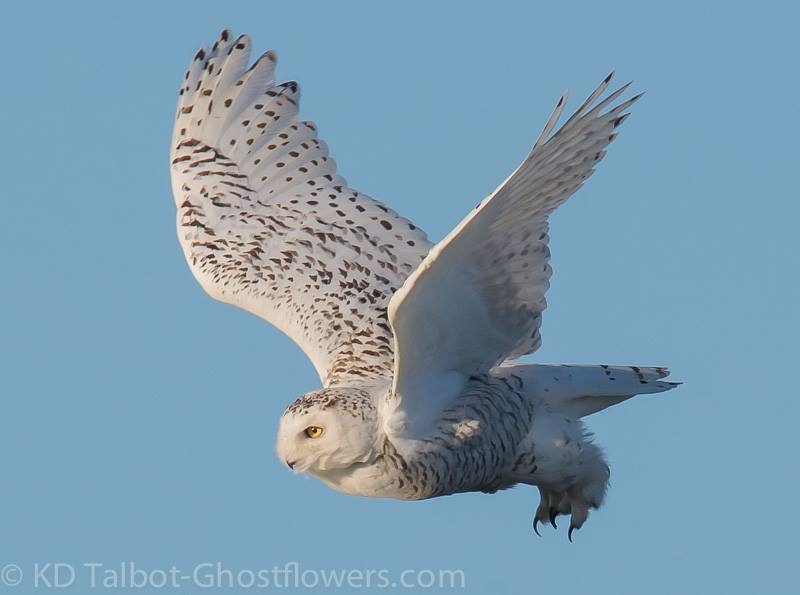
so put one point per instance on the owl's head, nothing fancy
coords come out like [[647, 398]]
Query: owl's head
[[328, 429]]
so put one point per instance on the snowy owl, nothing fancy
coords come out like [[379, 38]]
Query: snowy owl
[[410, 339]]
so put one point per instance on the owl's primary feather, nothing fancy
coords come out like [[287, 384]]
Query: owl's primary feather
[[410, 340]]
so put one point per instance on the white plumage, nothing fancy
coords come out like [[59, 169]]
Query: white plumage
[[410, 340]]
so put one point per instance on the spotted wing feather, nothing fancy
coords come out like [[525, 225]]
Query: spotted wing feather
[[268, 225]]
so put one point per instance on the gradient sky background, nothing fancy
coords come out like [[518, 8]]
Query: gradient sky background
[[138, 416]]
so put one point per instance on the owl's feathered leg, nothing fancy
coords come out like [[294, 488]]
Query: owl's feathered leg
[[570, 472]]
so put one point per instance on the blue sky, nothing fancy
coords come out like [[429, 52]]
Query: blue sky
[[138, 416]]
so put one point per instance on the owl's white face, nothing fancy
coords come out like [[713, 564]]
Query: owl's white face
[[327, 430]]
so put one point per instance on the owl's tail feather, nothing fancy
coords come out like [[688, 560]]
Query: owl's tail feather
[[577, 391]]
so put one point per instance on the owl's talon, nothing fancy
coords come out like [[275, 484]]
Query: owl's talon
[[536, 526], [553, 514], [569, 533]]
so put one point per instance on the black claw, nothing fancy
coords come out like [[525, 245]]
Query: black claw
[[536, 526], [569, 533], [553, 514]]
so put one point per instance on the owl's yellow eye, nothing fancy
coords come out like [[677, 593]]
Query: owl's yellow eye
[[314, 431]]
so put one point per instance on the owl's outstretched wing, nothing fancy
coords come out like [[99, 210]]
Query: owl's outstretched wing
[[266, 224], [477, 298]]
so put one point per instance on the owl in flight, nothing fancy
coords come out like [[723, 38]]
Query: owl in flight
[[411, 340]]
